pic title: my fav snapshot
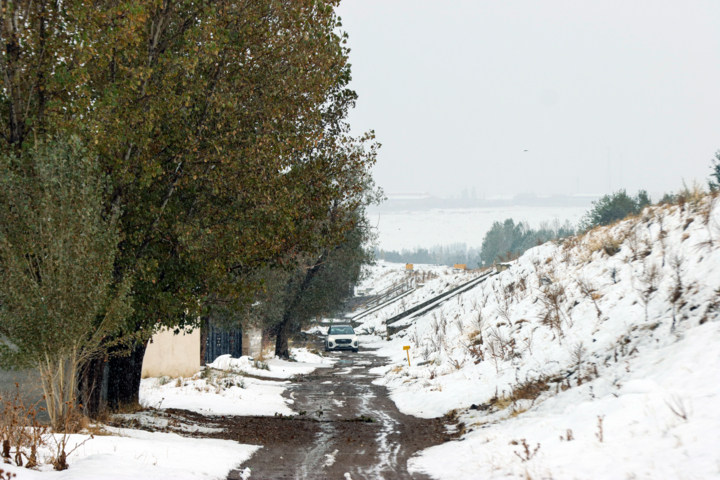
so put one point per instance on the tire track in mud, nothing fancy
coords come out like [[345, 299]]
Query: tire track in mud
[[335, 401]]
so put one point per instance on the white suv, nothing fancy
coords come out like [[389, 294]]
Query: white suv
[[341, 337]]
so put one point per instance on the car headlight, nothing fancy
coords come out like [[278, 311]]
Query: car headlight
[[331, 340]]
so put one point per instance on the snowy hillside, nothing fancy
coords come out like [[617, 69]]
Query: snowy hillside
[[596, 358]]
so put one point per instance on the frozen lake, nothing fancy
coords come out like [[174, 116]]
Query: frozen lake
[[410, 229]]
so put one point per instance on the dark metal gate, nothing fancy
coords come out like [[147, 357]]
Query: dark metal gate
[[222, 342]]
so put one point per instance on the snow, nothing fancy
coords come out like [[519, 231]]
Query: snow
[[131, 454], [627, 338], [304, 362], [410, 229], [234, 394], [223, 388], [226, 388]]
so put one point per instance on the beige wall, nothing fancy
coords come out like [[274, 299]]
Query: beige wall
[[172, 355], [252, 342]]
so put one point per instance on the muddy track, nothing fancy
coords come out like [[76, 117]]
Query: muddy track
[[349, 426]]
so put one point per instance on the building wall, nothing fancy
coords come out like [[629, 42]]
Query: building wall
[[172, 355], [252, 342]]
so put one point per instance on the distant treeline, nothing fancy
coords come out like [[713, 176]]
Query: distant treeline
[[508, 240], [437, 255], [504, 241]]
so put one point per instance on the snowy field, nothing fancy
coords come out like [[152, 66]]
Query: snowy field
[[410, 229], [595, 359]]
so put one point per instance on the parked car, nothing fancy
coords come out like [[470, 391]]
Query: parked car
[[341, 337]]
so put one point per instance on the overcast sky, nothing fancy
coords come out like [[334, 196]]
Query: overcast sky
[[603, 94]]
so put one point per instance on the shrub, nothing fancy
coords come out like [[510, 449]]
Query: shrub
[[614, 207]]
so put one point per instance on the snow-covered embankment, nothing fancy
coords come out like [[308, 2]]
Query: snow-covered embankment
[[597, 357]]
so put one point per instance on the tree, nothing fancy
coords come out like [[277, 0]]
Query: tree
[[59, 302], [714, 182], [220, 125], [500, 240], [320, 289], [506, 240], [614, 207]]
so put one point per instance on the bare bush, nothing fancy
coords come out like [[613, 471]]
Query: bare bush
[[478, 322], [425, 352], [21, 433], [526, 454], [552, 314], [649, 281], [590, 292]]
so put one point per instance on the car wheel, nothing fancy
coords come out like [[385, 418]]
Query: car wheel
[[355, 350]]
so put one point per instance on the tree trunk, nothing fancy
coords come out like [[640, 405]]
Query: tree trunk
[[283, 334], [90, 387], [285, 328], [124, 378], [204, 327]]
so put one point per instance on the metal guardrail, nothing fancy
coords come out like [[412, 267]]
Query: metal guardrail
[[434, 302], [379, 306], [390, 292]]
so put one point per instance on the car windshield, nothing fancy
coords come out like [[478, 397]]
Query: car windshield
[[341, 330]]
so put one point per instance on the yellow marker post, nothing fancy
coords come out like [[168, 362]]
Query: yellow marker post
[[407, 349]]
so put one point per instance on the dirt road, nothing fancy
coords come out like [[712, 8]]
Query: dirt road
[[350, 426]]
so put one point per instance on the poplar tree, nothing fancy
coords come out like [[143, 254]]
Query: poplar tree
[[59, 302], [219, 124]]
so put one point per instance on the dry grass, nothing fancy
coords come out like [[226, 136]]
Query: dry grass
[[603, 241], [21, 433]]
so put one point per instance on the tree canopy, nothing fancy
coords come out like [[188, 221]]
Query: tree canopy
[[219, 125], [508, 239]]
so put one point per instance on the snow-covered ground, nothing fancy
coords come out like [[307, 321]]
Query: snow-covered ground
[[596, 358], [133, 454], [226, 387], [409, 229]]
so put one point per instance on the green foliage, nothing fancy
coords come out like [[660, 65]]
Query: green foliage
[[222, 130], [508, 239], [714, 182], [614, 207], [59, 301]]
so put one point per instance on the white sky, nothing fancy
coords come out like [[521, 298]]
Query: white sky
[[457, 90]]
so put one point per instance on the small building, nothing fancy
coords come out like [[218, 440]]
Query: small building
[[172, 355], [183, 354]]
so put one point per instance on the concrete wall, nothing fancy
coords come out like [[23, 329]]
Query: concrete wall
[[252, 342], [172, 355]]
